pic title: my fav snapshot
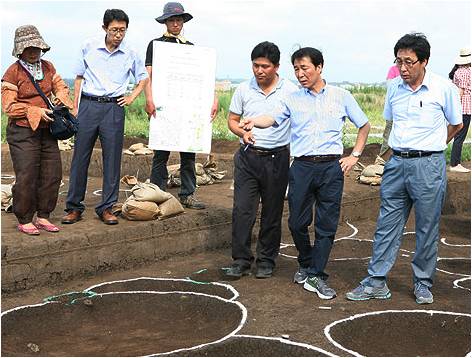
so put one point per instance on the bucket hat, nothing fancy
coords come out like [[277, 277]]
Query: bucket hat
[[173, 9], [464, 57], [28, 36]]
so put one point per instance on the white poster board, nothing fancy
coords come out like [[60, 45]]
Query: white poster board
[[183, 85]]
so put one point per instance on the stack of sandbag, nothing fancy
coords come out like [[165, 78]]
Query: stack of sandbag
[[7, 198], [206, 173], [66, 144], [371, 174], [138, 149], [149, 202]]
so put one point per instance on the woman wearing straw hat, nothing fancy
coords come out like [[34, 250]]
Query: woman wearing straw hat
[[34, 151], [460, 75]]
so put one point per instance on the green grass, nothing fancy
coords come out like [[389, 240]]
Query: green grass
[[370, 99]]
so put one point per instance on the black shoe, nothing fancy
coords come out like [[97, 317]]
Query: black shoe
[[237, 271], [264, 272]]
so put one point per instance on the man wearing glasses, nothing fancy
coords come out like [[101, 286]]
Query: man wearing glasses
[[426, 114], [104, 70]]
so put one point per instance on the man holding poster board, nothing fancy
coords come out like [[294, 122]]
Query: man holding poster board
[[179, 101]]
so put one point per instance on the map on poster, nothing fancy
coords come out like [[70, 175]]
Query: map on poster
[[183, 85]]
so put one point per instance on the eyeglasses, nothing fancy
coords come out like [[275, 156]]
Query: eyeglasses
[[115, 31], [407, 63]]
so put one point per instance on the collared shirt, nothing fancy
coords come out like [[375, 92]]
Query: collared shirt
[[462, 80], [250, 101], [420, 117], [317, 119], [108, 73]]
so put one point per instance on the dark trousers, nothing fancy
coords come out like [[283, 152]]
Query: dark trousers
[[319, 184], [258, 178], [159, 174], [106, 122], [459, 138], [38, 171]]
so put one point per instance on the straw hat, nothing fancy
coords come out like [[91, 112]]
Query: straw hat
[[173, 9], [28, 36], [464, 57]]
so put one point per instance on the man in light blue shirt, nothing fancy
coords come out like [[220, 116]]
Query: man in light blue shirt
[[104, 70], [426, 114], [317, 114], [261, 170]]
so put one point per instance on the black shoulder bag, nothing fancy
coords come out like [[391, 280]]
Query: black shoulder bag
[[65, 125]]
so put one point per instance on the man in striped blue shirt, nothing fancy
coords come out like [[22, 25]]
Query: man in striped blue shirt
[[426, 114], [317, 114]]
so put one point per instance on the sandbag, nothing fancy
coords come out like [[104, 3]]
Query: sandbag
[[373, 170], [136, 146], [376, 180], [143, 151], [149, 192], [170, 207], [140, 210]]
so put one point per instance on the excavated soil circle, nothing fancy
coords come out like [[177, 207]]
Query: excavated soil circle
[[252, 347], [165, 285], [125, 324], [404, 334], [455, 266]]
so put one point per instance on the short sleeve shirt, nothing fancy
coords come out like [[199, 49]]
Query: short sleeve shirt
[[250, 101], [317, 119], [420, 117]]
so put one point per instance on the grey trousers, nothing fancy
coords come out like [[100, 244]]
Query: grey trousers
[[104, 121]]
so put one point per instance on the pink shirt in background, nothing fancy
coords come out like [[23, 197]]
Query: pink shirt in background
[[393, 72]]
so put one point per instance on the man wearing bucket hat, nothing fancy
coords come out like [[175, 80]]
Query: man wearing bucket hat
[[460, 75], [173, 17], [103, 69], [34, 151]]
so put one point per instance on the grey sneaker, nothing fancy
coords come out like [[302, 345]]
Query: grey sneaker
[[301, 275], [364, 292], [319, 286], [423, 294], [192, 202]]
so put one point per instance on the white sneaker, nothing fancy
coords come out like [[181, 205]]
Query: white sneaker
[[459, 169]]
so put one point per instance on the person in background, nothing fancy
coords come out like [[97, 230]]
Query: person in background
[[34, 151], [393, 72], [104, 68], [261, 171], [316, 114], [426, 114], [173, 17], [460, 75]]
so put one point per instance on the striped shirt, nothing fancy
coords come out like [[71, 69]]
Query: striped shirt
[[317, 119], [462, 80]]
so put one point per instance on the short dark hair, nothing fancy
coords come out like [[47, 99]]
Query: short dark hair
[[267, 50], [115, 15], [415, 41], [313, 54]]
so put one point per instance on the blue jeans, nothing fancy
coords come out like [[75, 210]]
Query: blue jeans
[[407, 182]]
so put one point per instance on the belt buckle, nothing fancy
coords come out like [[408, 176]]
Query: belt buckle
[[101, 99], [404, 154]]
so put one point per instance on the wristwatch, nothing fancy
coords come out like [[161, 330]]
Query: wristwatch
[[356, 154]]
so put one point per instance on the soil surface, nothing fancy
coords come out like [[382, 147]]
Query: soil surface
[[182, 309]]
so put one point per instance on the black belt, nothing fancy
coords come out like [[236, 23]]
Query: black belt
[[414, 153], [319, 158], [263, 151], [100, 99]]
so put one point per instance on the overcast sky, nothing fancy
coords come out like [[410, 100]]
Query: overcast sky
[[356, 37]]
